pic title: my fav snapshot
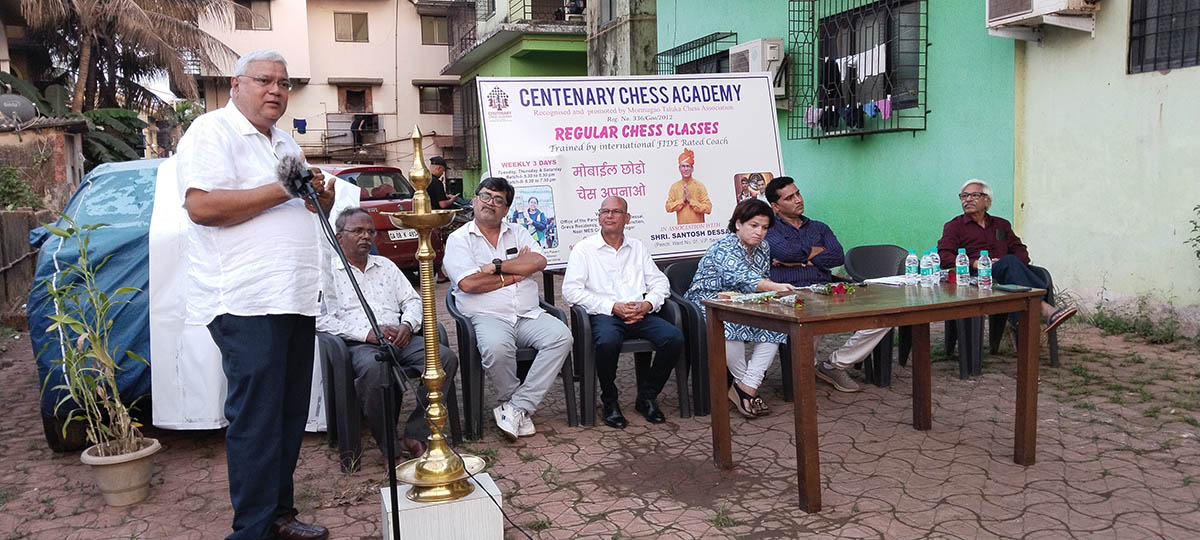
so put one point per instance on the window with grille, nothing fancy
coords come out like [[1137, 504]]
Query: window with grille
[[484, 9], [470, 125], [608, 11], [708, 54], [857, 67], [1163, 34], [350, 27], [434, 31], [437, 99], [259, 17]]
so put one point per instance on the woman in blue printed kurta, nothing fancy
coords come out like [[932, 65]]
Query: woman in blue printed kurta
[[739, 262]]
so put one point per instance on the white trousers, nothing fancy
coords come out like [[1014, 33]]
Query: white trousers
[[750, 371], [857, 347]]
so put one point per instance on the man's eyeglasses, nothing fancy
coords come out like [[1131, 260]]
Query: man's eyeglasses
[[497, 200], [973, 195], [610, 212], [265, 82], [361, 232]]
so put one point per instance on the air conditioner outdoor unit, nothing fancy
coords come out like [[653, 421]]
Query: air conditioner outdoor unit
[[1021, 19], [764, 54]]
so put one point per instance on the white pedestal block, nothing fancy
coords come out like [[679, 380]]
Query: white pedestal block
[[473, 517]]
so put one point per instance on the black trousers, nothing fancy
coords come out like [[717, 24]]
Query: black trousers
[[609, 333], [368, 378], [268, 363]]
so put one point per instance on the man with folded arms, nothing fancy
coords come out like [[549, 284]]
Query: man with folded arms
[[490, 260], [398, 310], [803, 253], [976, 230], [613, 277]]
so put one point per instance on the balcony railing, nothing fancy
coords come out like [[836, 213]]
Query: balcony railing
[[345, 140], [542, 10]]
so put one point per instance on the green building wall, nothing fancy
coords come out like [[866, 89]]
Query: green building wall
[[891, 188], [534, 55]]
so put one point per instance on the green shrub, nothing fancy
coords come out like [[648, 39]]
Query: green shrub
[[15, 192]]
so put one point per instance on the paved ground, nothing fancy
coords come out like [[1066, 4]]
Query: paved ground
[[1117, 458]]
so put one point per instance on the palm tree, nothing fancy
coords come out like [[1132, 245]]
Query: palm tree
[[115, 44]]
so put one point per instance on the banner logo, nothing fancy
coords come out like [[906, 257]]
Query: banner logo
[[497, 99]]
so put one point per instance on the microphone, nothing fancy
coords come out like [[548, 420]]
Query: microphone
[[295, 178]]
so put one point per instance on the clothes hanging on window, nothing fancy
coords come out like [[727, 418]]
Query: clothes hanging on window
[[885, 107], [829, 118], [870, 109], [870, 63], [853, 110], [812, 116], [830, 77]]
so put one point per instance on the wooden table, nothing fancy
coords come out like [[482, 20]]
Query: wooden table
[[874, 306]]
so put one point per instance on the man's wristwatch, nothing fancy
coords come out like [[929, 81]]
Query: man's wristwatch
[[497, 262]]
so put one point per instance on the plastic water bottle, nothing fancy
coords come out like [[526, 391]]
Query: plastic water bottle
[[912, 267], [962, 268], [926, 270], [985, 271], [935, 268]]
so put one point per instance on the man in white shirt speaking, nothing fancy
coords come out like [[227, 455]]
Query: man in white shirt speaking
[[398, 311], [613, 277], [490, 260], [253, 268]]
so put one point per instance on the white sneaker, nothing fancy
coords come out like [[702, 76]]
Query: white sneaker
[[526, 428], [508, 419]]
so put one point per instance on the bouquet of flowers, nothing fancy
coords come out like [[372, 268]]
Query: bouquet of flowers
[[755, 298], [793, 300], [833, 288]]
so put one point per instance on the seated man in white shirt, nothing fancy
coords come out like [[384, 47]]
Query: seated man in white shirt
[[398, 311], [613, 277], [490, 261]]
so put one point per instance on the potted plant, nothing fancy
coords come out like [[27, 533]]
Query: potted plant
[[119, 455]]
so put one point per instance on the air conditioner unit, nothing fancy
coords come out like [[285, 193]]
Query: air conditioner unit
[[764, 54], [1022, 19]]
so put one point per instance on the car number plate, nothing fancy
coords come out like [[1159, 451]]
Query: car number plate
[[402, 234]]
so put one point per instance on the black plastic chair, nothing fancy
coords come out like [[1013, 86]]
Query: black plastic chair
[[343, 418], [876, 261], [695, 329], [970, 332], [471, 368], [585, 354]]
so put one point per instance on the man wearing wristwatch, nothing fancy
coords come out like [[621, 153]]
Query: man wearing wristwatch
[[398, 311], [490, 260]]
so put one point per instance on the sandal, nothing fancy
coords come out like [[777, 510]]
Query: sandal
[[1058, 317], [760, 407], [742, 401]]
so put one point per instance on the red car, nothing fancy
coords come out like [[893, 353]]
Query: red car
[[385, 189]]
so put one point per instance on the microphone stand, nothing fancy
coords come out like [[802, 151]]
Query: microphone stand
[[388, 351]]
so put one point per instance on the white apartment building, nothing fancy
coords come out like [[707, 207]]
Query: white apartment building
[[365, 72]]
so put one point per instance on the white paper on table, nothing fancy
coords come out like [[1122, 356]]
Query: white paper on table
[[887, 280]]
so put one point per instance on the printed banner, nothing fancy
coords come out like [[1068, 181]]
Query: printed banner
[[681, 149]]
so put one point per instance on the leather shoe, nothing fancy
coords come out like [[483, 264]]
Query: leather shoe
[[613, 417], [650, 410], [287, 527]]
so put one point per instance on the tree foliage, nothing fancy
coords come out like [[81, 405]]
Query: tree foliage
[[113, 134], [112, 46]]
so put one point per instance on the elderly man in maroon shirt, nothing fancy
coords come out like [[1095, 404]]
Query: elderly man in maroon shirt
[[976, 230]]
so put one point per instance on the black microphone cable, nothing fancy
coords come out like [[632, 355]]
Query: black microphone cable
[[296, 180]]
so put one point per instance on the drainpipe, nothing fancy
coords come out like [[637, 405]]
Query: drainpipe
[[396, 67]]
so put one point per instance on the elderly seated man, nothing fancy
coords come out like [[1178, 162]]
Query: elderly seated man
[[976, 230], [490, 262], [613, 277], [398, 311]]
